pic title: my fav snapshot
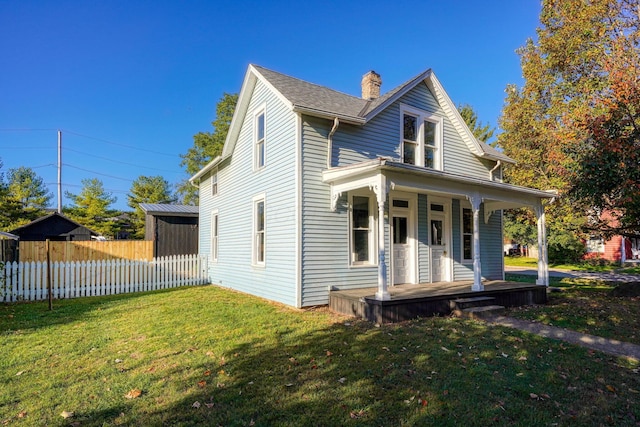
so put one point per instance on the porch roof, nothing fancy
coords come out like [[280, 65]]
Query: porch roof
[[405, 177]]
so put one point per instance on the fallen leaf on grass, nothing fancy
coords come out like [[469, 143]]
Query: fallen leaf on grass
[[207, 373], [22, 414], [356, 415], [329, 353], [67, 414], [202, 383], [533, 396], [195, 404], [611, 388], [342, 380], [19, 373], [209, 405], [133, 394]]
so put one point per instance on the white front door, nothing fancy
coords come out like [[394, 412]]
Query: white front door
[[401, 250], [438, 244]]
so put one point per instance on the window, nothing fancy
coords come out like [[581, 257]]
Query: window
[[362, 231], [214, 184], [421, 138], [258, 231], [467, 234], [259, 139], [214, 236]]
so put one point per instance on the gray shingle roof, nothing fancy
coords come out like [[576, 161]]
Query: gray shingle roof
[[314, 97], [167, 209]]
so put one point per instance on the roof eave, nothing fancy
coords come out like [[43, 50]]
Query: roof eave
[[329, 115], [208, 167]]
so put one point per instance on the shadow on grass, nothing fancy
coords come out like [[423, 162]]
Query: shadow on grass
[[36, 314], [426, 372]]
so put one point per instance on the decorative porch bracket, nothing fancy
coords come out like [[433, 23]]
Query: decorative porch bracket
[[475, 201], [543, 256], [380, 189]]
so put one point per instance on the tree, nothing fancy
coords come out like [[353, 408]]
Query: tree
[[147, 189], [91, 207], [207, 145], [566, 81], [29, 191], [482, 133], [607, 176]]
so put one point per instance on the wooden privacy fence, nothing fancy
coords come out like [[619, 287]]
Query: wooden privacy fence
[[86, 250], [27, 281]]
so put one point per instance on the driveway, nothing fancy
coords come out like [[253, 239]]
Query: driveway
[[555, 272]]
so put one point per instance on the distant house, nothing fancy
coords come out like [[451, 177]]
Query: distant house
[[55, 227], [617, 248], [172, 228], [317, 190]]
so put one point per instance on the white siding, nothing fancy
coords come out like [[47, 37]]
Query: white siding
[[238, 183]]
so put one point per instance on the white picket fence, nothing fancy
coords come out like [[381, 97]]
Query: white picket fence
[[28, 281]]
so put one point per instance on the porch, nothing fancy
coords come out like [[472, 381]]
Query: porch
[[428, 299]]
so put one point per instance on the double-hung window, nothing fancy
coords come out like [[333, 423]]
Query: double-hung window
[[467, 235], [214, 184], [362, 233], [421, 138], [258, 249], [214, 236], [259, 139]]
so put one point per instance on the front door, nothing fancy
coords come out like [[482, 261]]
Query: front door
[[438, 240], [401, 250]]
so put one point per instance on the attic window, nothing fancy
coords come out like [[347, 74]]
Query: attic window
[[421, 142], [259, 132]]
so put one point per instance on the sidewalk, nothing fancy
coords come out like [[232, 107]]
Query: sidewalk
[[554, 272], [609, 346]]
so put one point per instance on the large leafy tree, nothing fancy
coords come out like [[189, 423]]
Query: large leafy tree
[[91, 207], [566, 80], [607, 175], [146, 189], [480, 131], [207, 145]]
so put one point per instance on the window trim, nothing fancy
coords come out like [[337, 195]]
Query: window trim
[[372, 231], [422, 117], [215, 235], [462, 234], [260, 111], [254, 231]]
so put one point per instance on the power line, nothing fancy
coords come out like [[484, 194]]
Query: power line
[[117, 161], [97, 173], [119, 144]]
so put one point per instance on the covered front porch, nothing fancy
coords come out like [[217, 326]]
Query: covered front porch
[[422, 221], [428, 299]]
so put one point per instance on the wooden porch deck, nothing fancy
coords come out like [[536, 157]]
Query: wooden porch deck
[[429, 299]]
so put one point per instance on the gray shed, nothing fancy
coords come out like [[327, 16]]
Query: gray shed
[[173, 228]]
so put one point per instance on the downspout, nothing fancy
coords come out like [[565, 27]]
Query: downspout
[[498, 164], [336, 123]]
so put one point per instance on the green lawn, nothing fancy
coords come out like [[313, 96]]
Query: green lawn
[[208, 356], [585, 266], [585, 306]]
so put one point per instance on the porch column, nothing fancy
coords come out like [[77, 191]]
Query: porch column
[[380, 188], [543, 257], [475, 201]]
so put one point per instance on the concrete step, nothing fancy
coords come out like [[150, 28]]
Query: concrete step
[[482, 312], [462, 303]]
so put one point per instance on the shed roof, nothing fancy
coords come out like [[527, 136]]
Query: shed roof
[[169, 209]]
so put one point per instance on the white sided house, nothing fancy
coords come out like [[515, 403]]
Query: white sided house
[[318, 190]]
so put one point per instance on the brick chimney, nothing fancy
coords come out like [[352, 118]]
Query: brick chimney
[[371, 83]]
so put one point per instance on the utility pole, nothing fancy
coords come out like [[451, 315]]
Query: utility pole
[[59, 171]]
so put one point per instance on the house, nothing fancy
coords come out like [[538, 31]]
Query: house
[[54, 226], [318, 190], [172, 228]]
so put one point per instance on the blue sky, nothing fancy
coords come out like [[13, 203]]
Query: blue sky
[[130, 82]]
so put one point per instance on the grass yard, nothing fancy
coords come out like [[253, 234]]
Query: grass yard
[[208, 356], [585, 306], [515, 261]]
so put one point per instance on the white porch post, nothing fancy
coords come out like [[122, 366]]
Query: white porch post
[[543, 257], [475, 201], [380, 189]]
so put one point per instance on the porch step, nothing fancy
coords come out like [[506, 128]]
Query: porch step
[[464, 303], [481, 312]]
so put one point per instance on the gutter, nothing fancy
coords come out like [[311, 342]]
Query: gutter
[[336, 123], [498, 164]]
